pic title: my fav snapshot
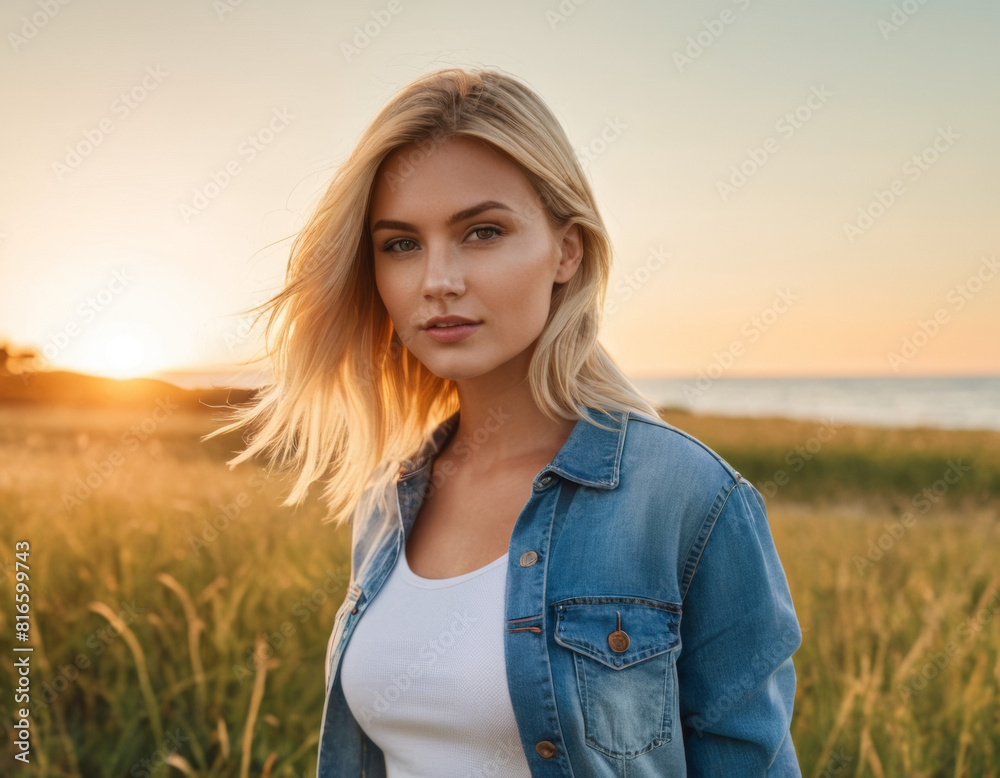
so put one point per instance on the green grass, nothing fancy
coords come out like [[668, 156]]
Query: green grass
[[221, 668], [831, 463]]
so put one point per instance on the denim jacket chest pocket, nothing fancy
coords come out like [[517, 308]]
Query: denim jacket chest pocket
[[624, 650]]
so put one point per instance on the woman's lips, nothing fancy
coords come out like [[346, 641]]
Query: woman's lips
[[452, 334]]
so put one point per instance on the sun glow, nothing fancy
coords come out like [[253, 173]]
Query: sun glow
[[124, 356], [138, 315]]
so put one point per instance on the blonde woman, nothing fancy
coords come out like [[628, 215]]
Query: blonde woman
[[546, 578]]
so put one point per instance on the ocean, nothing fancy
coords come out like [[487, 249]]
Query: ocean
[[949, 402]]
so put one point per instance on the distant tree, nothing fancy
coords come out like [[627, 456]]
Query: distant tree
[[17, 362], [27, 360]]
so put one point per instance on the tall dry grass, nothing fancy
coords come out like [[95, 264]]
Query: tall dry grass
[[161, 642], [899, 669]]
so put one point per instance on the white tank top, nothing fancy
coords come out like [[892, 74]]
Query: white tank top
[[424, 675]]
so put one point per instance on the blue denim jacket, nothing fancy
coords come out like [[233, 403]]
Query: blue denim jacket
[[644, 524]]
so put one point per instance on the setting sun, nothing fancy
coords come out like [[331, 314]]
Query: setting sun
[[124, 355]]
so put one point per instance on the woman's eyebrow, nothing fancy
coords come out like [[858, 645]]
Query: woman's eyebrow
[[455, 218]]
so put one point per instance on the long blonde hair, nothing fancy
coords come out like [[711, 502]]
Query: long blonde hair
[[347, 395]]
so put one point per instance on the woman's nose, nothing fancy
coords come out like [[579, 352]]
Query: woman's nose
[[442, 272]]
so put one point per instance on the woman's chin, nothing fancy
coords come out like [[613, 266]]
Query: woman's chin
[[455, 367]]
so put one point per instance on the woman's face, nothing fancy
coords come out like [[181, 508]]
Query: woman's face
[[458, 230]]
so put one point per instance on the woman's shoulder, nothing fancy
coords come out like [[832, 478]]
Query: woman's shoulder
[[682, 485], [667, 451]]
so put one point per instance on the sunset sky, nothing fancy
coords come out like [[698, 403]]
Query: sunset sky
[[806, 187]]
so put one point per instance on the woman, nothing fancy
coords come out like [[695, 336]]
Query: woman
[[546, 579]]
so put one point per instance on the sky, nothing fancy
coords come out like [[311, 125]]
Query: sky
[[791, 188]]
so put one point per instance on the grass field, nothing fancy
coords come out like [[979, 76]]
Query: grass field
[[180, 617]]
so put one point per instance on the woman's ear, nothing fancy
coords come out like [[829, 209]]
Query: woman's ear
[[572, 252]]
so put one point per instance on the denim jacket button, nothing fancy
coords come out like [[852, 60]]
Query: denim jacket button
[[546, 749], [542, 483], [528, 558], [618, 640]]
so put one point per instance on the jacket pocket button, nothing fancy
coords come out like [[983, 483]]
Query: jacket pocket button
[[528, 558], [546, 749], [618, 640]]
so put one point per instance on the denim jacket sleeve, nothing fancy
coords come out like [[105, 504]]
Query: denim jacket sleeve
[[738, 634]]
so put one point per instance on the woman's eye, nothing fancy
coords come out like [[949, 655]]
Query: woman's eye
[[496, 232], [400, 245]]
